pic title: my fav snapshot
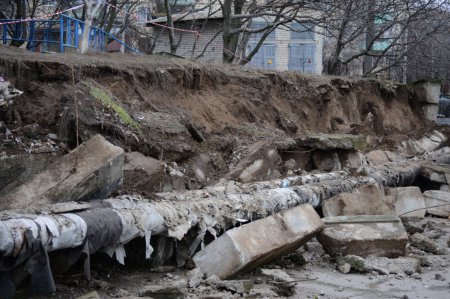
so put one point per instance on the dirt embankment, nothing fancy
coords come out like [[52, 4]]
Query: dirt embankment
[[172, 109]]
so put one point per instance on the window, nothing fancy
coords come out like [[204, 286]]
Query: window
[[302, 31], [143, 14], [259, 35]]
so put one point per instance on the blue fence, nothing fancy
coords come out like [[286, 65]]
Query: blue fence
[[56, 35]]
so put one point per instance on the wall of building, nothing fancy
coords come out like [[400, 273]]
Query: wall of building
[[191, 46]]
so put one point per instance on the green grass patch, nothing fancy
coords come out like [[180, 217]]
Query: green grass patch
[[107, 101]]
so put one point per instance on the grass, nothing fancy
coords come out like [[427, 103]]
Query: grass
[[107, 101]]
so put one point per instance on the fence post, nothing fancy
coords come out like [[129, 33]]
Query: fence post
[[31, 36], [76, 33], [5, 32], [61, 34]]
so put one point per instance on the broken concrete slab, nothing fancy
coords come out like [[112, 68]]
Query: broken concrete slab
[[435, 172], [91, 171], [363, 236], [174, 290], [142, 173], [440, 200], [430, 142], [333, 141], [251, 245], [424, 243], [408, 201], [387, 266], [345, 204], [377, 157], [440, 156], [430, 111], [201, 167], [259, 164]]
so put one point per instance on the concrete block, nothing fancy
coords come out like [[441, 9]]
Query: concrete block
[[437, 198], [249, 246], [143, 174], [430, 111], [408, 201], [428, 92], [345, 204], [91, 171], [363, 236], [430, 142]]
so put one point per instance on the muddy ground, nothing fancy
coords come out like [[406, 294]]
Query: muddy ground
[[174, 111]]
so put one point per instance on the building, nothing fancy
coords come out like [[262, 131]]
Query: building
[[294, 47]]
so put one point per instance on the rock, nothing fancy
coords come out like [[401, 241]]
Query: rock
[[195, 277], [429, 142], [333, 141], [277, 275], [346, 263], [326, 161], [355, 160], [428, 92], [408, 201], [439, 277], [377, 157], [175, 179], [424, 243], [399, 265], [142, 174], [201, 167], [412, 225], [289, 166], [235, 286], [437, 198], [258, 164], [91, 295], [363, 236], [246, 247], [345, 204], [173, 290], [91, 171], [435, 172]]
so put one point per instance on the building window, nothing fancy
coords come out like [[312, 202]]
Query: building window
[[260, 25], [143, 14], [302, 31]]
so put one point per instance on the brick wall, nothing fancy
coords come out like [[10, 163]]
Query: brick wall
[[190, 46]]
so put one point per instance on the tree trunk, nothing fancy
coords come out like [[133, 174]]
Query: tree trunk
[[370, 32], [173, 43]]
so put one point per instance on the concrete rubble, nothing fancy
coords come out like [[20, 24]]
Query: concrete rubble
[[333, 141], [430, 142], [363, 236], [244, 248], [437, 202], [92, 170], [408, 201]]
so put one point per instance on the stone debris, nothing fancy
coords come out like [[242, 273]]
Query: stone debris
[[277, 275], [363, 236], [333, 141], [426, 244], [7, 92], [440, 200], [259, 163], [440, 156], [91, 171], [408, 201], [382, 265], [165, 291], [249, 246], [436, 173], [91, 295], [326, 160], [430, 142]]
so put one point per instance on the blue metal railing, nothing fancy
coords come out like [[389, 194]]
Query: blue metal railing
[[63, 33]]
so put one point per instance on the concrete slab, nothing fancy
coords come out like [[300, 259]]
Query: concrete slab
[[435, 172], [408, 201], [345, 204], [430, 142], [438, 199], [364, 236], [249, 246], [91, 171]]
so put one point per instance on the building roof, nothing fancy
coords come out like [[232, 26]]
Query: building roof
[[190, 16]]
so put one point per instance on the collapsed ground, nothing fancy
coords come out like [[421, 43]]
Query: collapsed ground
[[205, 117]]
